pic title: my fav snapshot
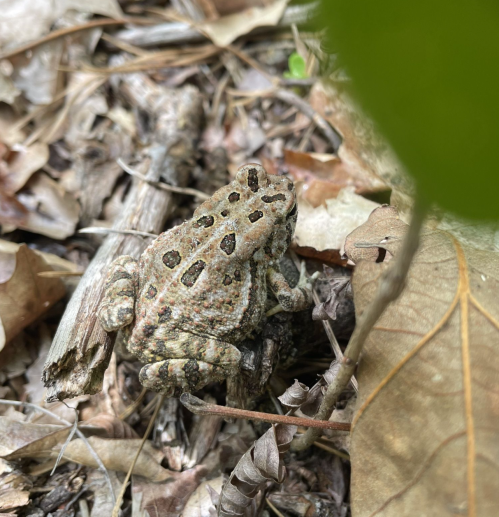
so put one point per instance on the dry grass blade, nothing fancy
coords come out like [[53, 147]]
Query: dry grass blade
[[159, 403]]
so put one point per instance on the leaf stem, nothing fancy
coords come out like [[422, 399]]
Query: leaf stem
[[199, 407]]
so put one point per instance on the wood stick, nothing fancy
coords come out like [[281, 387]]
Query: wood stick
[[179, 33], [81, 349]]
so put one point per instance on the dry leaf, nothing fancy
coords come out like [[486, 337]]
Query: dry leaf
[[25, 440], [24, 162], [324, 228], [426, 430], [228, 28], [117, 454], [326, 174], [13, 498], [364, 155], [25, 20], [165, 499], [200, 503], [51, 211], [25, 296]]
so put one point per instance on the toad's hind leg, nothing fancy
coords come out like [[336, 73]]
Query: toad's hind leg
[[117, 306], [184, 361], [175, 376]]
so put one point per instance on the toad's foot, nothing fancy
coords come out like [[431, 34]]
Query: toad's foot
[[291, 299]]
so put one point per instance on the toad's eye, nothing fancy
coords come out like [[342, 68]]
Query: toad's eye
[[292, 213]]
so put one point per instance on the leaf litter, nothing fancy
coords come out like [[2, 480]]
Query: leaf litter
[[77, 91]]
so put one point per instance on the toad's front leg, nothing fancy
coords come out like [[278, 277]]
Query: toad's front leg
[[117, 308], [291, 299]]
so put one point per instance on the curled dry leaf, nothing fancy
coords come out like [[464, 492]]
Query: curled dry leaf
[[228, 28], [425, 433], [261, 463], [25, 296], [295, 395]]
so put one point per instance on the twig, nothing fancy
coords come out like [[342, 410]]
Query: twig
[[106, 231], [291, 98], [199, 407], [164, 186], [80, 435], [116, 509], [51, 36], [180, 33], [389, 288]]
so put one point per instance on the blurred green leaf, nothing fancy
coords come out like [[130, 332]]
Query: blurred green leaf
[[297, 67], [427, 72]]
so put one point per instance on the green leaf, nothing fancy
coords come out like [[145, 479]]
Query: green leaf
[[297, 67], [427, 72]]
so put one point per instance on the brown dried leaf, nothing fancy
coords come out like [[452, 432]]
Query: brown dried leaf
[[13, 498], [51, 211], [25, 296], [117, 454], [25, 440], [228, 28], [325, 227], [165, 499], [24, 20], [425, 433], [261, 463], [114, 427], [200, 503], [295, 395], [364, 155], [21, 165], [325, 175]]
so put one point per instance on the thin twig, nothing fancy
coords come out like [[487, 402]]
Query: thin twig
[[390, 286], [59, 274], [199, 407], [288, 97], [66, 31], [117, 505], [106, 231], [80, 435], [164, 186]]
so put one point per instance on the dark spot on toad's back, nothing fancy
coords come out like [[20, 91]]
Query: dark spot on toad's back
[[253, 180], [192, 274], [206, 221], [237, 275], [253, 217], [164, 314], [149, 330], [224, 213], [233, 197], [151, 292], [228, 244], [171, 259], [272, 199], [227, 280]]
